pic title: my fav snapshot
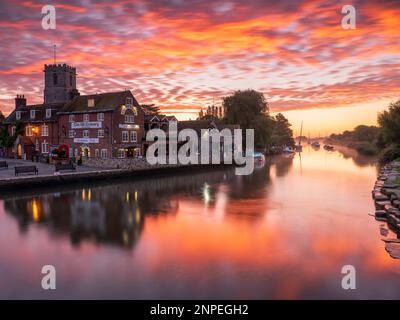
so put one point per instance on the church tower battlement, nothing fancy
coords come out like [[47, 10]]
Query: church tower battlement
[[59, 83]]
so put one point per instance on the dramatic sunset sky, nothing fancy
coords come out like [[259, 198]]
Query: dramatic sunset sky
[[180, 54]]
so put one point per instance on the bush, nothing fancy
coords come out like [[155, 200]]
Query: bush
[[367, 149], [390, 153]]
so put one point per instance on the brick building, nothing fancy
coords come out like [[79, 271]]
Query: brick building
[[103, 125]]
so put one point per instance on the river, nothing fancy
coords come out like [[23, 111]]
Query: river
[[284, 232]]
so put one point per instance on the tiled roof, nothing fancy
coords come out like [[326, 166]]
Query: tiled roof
[[40, 113], [102, 102]]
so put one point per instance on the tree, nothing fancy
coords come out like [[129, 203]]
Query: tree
[[2, 117], [243, 107], [282, 134], [250, 110], [389, 122], [6, 140], [150, 109]]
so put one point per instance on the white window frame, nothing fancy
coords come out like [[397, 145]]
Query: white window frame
[[103, 153], [121, 154], [13, 129], [44, 130], [48, 113], [45, 147], [129, 102], [100, 133], [37, 145], [85, 134], [125, 136], [129, 118], [100, 116], [86, 117], [32, 114], [71, 118], [133, 136], [18, 115], [71, 134], [28, 131]]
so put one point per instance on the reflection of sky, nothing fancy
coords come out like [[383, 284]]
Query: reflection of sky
[[287, 238], [183, 54]]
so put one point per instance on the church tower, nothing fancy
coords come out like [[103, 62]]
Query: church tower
[[59, 83]]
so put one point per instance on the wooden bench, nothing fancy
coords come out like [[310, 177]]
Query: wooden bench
[[26, 169], [65, 166], [3, 164]]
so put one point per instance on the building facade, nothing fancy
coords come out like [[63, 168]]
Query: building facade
[[102, 125], [107, 125]]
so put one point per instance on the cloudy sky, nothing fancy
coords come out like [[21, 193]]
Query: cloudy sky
[[182, 54]]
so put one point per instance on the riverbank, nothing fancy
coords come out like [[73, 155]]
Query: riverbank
[[386, 194], [83, 174]]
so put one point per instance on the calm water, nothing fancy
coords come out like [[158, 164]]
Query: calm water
[[283, 232]]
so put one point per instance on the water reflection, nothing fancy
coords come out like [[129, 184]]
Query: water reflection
[[283, 232]]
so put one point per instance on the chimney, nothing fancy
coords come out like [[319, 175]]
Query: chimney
[[20, 101]]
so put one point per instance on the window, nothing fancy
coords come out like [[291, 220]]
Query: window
[[129, 102], [37, 145], [133, 136], [121, 153], [76, 152], [90, 103], [100, 117], [71, 118], [13, 129], [71, 133], [28, 131], [18, 115], [129, 119], [125, 136], [45, 130], [103, 153], [100, 133], [70, 80], [45, 147], [85, 118], [55, 79], [86, 133], [96, 153], [32, 114], [48, 113]]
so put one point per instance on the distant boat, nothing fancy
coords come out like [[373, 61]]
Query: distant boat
[[288, 150], [329, 147], [258, 157], [316, 144], [299, 147]]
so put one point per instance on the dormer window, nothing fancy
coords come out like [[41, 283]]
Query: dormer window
[[129, 102], [90, 103], [18, 115], [48, 113], [32, 114]]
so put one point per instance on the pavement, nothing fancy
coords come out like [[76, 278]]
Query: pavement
[[45, 169]]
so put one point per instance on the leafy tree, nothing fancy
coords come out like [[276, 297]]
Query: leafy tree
[[150, 109], [282, 134], [389, 122], [6, 140], [249, 109], [2, 117], [243, 107]]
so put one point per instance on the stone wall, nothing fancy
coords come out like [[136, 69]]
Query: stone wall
[[126, 164]]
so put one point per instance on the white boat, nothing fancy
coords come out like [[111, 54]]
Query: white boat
[[288, 150]]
